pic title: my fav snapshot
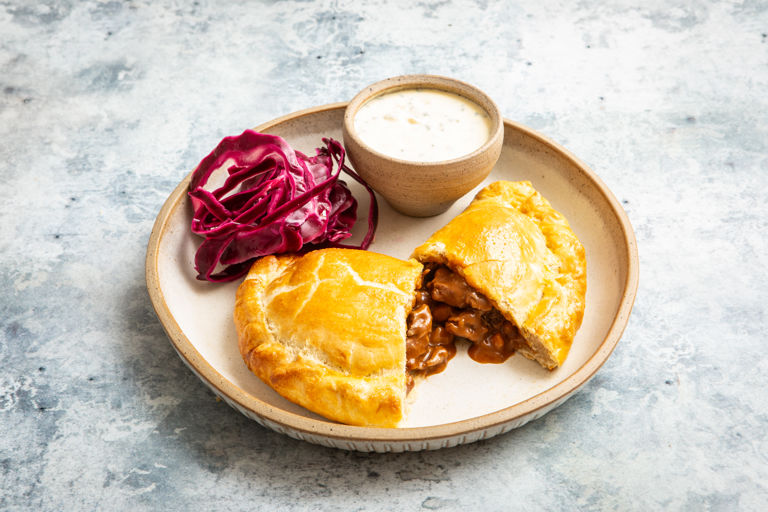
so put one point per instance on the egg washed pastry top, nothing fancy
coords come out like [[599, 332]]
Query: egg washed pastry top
[[327, 331], [513, 247]]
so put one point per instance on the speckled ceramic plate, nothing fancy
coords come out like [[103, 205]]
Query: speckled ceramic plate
[[467, 402]]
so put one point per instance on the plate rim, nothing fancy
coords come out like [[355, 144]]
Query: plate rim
[[340, 432]]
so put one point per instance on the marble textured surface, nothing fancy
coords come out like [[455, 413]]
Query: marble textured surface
[[106, 105]]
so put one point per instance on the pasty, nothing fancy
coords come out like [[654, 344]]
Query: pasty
[[327, 330], [345, 333], [508, 274]]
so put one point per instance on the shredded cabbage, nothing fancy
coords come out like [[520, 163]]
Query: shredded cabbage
[[274, 200]]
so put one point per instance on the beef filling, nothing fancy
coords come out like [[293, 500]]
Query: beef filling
[[446, 308]]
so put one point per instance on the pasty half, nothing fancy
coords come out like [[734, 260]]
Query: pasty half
[[327, 330], [513, 249]]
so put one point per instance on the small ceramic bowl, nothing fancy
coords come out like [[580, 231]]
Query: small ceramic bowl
[[421, 188]]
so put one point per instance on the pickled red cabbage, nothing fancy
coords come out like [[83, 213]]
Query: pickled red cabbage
[[273, 200]]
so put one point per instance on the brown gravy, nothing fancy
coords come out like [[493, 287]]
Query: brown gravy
[[446, 308]]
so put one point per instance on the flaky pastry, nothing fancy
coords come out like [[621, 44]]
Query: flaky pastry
[[345, 332], [327, 331], [514, 248]]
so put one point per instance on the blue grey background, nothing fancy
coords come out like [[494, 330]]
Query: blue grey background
[[106, 105]]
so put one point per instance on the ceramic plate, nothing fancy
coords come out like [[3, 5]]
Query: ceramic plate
[[467, 402]]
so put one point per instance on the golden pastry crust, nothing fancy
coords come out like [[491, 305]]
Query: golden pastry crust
[[512, 246], [327, 331]]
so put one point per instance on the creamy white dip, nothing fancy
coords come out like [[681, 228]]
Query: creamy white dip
[[425, 125]]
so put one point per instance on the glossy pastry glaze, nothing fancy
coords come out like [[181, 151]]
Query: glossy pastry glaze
[[326, 330], [520, 253]]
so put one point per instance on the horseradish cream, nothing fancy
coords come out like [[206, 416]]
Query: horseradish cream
[[423, 125]]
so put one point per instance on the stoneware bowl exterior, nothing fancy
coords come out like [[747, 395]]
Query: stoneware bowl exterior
[[422, 189]]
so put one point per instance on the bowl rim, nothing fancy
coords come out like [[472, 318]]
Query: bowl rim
[[444, 83], [268, 414]]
